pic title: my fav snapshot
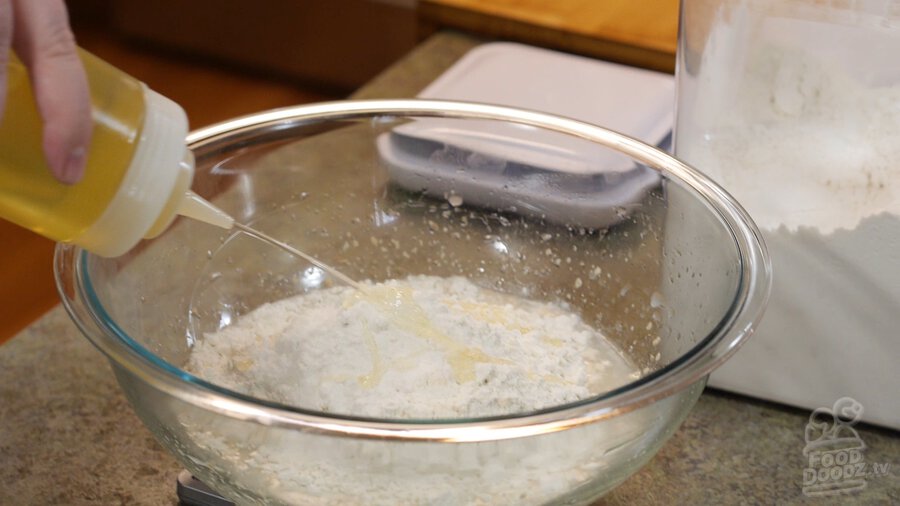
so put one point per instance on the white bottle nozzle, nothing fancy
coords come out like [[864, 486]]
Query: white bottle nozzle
[[196, 207]]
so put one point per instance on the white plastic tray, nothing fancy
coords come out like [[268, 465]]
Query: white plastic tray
[[538, 173]]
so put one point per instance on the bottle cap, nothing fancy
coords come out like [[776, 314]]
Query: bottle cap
[[153, 186]]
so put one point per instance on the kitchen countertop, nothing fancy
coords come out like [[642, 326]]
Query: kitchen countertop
[[67, 435]]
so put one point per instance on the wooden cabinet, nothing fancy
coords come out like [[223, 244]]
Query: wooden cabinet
[[643, 33], [337, 43], [26, 278]]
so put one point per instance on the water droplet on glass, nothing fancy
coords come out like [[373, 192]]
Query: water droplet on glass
[[312, 277]]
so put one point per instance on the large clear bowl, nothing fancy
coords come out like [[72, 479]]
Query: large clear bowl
[[649, 251]]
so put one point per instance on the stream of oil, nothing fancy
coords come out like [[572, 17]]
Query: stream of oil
[[294, 251], [402, 310]]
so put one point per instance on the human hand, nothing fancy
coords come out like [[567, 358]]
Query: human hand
[[39, 33]]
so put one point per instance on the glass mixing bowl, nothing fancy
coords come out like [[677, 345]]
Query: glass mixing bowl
[[641, 246]]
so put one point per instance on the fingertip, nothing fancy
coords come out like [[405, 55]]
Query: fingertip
[[72, 170], [44, 41], [65, 150], [68, 128]]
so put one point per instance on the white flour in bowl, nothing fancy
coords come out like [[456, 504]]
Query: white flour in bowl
[[423, 347]]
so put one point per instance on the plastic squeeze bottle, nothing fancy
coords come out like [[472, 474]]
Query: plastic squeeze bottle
[[138, 172]]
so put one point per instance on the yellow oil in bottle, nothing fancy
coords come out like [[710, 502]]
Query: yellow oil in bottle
[[29, 194]]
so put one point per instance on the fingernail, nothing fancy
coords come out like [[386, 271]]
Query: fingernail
[[74, 167]]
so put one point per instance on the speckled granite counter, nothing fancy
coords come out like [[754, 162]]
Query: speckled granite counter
[[67, 435]]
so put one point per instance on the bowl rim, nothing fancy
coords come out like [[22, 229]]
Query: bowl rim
[[754, 285]]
